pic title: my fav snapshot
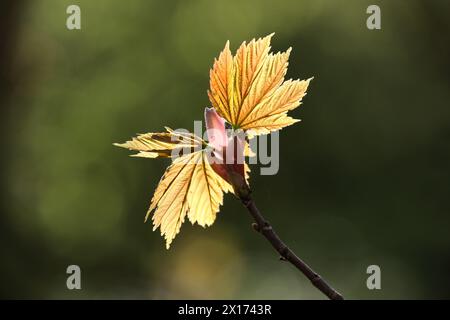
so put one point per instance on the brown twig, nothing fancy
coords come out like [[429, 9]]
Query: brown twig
[[286, 254]]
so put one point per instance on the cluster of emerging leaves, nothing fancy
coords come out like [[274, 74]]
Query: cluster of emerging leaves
[[249, 92]]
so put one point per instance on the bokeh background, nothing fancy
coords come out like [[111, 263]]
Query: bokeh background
[[364, 178]]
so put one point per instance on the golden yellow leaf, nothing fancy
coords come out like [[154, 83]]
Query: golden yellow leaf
[[250, 93], [166, 144], [188, 187]]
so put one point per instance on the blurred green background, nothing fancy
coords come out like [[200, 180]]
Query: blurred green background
[[364, 178]]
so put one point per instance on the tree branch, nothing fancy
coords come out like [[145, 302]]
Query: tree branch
[[264, 227]]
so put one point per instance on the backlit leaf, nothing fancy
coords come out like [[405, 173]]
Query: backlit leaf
[[250, 93], [191, 188], [165, 145]]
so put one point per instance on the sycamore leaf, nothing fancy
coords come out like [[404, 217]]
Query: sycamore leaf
[[249, 90], [165, 145], [189, 187]]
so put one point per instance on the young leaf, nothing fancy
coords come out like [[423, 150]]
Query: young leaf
[[164, 145], [188, 187], [250, 93]]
